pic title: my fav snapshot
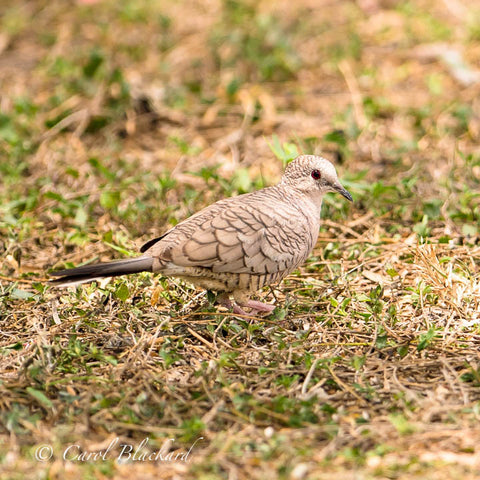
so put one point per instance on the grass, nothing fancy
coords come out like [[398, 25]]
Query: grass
[[120, 119]]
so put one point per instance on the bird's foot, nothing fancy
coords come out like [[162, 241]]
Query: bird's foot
[[237, 308], [227, 303], [257, 306]]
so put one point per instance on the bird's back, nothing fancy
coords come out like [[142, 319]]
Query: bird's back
[[270, 231]]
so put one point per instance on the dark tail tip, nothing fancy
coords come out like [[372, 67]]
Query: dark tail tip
[[87, 273]]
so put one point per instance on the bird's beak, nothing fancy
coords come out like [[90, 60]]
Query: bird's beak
[[339, 188]]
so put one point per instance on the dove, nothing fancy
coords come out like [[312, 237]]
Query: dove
[[237, 245]]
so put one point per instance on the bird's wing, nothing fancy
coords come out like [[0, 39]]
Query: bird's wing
[[243, 240]]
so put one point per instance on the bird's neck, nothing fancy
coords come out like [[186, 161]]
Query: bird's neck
[[310, 199]]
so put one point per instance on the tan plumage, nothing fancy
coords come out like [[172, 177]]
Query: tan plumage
[[239, 244]]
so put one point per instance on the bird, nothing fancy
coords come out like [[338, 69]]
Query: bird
[[238, 245]]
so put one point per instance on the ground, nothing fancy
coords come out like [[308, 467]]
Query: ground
[[119, 119]]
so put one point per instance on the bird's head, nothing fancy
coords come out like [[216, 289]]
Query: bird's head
[[314, 176]]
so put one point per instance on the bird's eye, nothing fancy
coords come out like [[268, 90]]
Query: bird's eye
[[316, 175]]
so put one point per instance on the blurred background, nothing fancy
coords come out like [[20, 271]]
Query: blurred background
[[118, 119], [106, 105]]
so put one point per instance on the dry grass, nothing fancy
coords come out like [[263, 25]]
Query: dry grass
[[122, 118]]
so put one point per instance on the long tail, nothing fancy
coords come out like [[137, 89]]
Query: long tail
[[87, 273]]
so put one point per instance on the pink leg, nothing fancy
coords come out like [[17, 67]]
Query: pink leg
[[238, 310], [255, 305], [259, 306], [227, 303]]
